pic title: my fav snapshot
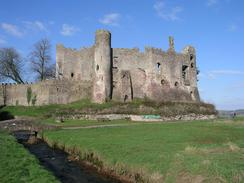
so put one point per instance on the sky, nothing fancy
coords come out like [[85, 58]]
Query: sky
[[214, 27]]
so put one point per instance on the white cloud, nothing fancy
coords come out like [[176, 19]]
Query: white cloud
[[212, 2], [2, 41], [227, 72], [12, 29], [231, 103], [51, 22], [68, 30], [201, 90], [167, 13], [110, 19], [35, 25], [236, 86], [214, 73], [232, 28]]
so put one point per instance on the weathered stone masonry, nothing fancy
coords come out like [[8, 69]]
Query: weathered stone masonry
[[102, 73]]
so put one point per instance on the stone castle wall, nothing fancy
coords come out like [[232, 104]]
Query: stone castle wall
[[74, 64], [102, 73], [154, 74], [46, 92]]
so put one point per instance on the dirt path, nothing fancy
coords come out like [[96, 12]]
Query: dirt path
[[119, 125], [95, 126]]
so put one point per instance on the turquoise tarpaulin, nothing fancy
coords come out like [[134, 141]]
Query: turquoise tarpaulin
[[151, 117]]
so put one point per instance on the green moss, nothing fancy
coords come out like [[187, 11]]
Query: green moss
[[28, 95]]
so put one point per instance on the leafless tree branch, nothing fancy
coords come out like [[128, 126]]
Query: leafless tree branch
[[40, 58], [11, 65]]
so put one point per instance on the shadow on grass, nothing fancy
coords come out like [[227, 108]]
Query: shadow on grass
[[5, 115]]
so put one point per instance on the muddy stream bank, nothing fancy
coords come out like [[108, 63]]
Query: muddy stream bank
[[57, 162]]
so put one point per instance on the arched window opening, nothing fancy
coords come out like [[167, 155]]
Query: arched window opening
[[184, 72], [97, 67], [158, 65], [72, 75], [192, 65], [192, 95], [162, 82], [191, 57], [125, 98]]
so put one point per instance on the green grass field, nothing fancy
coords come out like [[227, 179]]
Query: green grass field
[[18, 165], [212, 151]]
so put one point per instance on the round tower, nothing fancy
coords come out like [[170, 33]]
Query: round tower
[[190, 52], [102, 67]]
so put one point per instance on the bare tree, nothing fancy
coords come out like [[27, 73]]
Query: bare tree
[[11, 65], [41, 60], [50, 71]]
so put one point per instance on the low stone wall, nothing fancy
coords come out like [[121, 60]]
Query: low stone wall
[[24, 124], [149, 118], [46, 92]]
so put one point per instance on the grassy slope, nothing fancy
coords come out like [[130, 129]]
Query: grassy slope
[[17, 165], [42, 111], [213, 150], [164, 108]]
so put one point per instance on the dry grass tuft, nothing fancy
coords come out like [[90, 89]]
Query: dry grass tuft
[[233, 147], [191, 149], [238, 178], [218, 180], [198, 179], [185, 177], [195, 150], [206, 162], [32, 140], [157, 177], [230, 147]]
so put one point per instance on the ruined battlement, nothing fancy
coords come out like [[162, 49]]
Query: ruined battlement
[[73, 50], [128, 50], [152, 50], [102, 73]]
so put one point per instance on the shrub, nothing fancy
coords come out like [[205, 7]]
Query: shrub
[[33, 100], [29, 95]]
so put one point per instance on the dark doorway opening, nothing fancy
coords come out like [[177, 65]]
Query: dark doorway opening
[[125, 98]]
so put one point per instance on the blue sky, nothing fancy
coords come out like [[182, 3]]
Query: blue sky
[[214, 27]]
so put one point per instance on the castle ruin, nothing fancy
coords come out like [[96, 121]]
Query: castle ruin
[[102, 73]]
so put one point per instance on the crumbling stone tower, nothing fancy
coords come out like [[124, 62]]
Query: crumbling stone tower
[[102, 90]]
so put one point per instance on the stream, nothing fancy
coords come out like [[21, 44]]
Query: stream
[[57, 162]]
